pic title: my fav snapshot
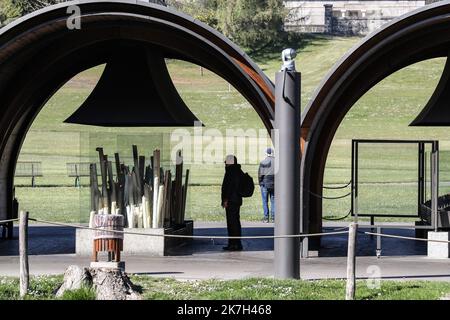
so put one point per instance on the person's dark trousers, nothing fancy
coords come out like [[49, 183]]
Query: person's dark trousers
[[234, 225], [266, 194]]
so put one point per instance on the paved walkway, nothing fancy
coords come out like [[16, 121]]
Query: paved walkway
[[53, 248]]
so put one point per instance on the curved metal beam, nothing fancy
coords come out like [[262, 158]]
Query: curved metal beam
[[436, 111]]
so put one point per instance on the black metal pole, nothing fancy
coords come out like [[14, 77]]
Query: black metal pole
[[355, 177], [420, 197], [287, 173], [352, 179], [435, 184]]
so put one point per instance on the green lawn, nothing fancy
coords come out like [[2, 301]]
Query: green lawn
[[271, 289], [42, 288], [388, 175]]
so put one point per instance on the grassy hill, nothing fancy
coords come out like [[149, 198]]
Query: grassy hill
[[384, 112]]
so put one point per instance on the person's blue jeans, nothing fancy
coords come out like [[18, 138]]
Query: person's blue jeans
[[266, 194]]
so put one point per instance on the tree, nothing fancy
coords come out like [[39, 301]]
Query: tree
[[203, 10], [12, 9], [253, 24], [27, 6], [8, 12]]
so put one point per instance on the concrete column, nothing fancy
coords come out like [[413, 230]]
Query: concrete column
[[287, 174], [438, 250]]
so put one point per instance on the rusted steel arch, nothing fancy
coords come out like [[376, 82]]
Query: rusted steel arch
[[39, 54], [420, 35]]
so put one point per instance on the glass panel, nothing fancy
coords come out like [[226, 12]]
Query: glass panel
[[45, 155], [387, 178]]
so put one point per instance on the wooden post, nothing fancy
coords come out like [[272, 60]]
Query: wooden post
[[23, 253], [147, 206], [172, 202], [142, 174], [156, 181], [95, 193], [160, 217], [138, 174], [111, 189], [351, 262], [186, 183], [155, 202], [178, 187], [167, 190]]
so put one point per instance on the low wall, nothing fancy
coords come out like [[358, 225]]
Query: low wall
[[355, 17], [140, 244]]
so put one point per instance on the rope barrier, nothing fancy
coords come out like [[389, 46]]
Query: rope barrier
[[391, 226], [330, 198], [340, 218], [338, 229], [9, 220], [403, 237], [339, 187], [192, 237], [304, 235]]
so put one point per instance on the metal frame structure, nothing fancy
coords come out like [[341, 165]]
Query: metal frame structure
[[421, 179]]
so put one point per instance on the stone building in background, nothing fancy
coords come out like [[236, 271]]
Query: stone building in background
[[345, 17], [338, 17]]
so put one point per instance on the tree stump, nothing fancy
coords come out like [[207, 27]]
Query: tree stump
[[108, 284], [112, 284], [75, 278]]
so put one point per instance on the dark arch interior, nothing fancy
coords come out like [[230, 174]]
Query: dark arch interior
[[39, 54]]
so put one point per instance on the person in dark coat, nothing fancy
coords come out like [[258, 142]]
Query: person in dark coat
[[232, 201], [266, 183]]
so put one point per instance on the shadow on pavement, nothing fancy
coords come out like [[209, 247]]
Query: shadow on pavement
[[42, 240], [336, 245], [48, 240], [205, 246]]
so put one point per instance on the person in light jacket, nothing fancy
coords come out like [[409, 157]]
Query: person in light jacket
[[267, 184]]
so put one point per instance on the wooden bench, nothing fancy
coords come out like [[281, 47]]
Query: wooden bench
[[78, 170], [29, 169]]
